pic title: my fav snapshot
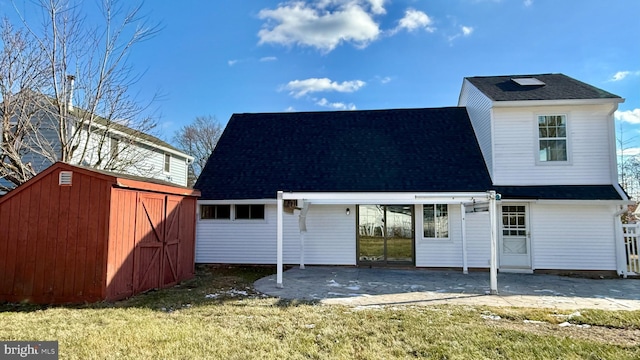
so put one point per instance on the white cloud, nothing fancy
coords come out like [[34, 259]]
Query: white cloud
[[290, 109], [621, 75], [268, 58], [413, 20], [232, 62], [464, 31], [322, 24], [628, 152], [385, 80], [336, 105], [528, 3], [298, 88], [628, 116]]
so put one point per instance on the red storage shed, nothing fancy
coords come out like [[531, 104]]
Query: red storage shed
[[73, 234]]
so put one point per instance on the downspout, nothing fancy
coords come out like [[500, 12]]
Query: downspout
[[621, 258], [302, 223]]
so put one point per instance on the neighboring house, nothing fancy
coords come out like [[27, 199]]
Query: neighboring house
[[411, 187], [105, 145]]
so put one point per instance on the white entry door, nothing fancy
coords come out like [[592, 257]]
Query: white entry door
[[515, 246]]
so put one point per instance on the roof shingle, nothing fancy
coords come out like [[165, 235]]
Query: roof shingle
[[556, 87]]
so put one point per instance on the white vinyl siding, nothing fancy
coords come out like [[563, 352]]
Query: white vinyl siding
[[479, 110], [573, 237], [516, 147], [330, 238], [478, 228], [447, 252]]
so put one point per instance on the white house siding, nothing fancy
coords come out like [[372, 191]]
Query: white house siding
[[440, 252], [479, 110], [589, 145], [330, 238], [478, 226], [577, 237]]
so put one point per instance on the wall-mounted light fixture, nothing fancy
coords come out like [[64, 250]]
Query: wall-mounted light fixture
[[348, 211]]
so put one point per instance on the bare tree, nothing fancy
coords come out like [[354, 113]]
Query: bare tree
[[198, 139], [68, 98], [628, 165]]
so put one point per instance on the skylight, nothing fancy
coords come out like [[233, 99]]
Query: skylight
[[528, 81]]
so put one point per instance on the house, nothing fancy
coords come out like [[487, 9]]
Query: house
[[74, 234], [93, 141], [521, 176]]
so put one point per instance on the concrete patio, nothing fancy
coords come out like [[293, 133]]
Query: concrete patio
[[376, 287]]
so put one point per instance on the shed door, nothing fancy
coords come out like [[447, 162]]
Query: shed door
[[171, 250], [150, 237]]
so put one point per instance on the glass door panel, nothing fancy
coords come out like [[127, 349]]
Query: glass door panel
[[385, 234], [399, 233], [371, 233]]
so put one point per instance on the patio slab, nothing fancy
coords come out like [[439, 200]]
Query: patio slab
[[377, 287]]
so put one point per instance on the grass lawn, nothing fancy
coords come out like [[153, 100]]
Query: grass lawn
[[219, 316]]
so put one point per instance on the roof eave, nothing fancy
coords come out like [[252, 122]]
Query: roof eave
[[556, 102]]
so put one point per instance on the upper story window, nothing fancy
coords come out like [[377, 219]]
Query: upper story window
[[552, 138], [435, 221], [167, 162]]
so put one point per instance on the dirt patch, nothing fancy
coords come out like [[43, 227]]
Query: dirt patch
[[624, 337]]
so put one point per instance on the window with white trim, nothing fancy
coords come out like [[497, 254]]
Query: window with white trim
[[219, 212], [167, 162], [435, 221], [552, 138], [249, 212]]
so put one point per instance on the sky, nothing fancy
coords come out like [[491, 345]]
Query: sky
[[223, 57]]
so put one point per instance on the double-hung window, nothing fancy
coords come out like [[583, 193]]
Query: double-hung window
[[552, 138], [435, 221]]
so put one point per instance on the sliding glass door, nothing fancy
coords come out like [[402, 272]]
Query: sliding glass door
[[385, 235]]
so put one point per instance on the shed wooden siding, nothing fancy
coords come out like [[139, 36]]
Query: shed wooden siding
[[79, 243], [50, 249]]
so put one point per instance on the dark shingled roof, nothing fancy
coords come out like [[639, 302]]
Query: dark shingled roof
[[557, 87], [418, 150], [560, 192]]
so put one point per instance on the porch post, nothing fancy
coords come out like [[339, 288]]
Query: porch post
[[465, 269], [621, 249], [494, 247], [279, 239]]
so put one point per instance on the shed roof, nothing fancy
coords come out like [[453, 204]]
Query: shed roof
[[350, 151], [118, 180], [556, 87]]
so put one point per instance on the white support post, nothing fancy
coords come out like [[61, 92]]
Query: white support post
[[621, 250], [465, 268], [279, 227], [494, 244]]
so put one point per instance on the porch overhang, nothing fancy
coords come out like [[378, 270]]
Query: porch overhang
[[391, 198]]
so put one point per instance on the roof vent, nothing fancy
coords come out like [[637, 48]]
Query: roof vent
[[65, 177], [528, 81]]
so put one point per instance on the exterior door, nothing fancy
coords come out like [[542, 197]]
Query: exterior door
[[150, 238], [385, 235], [515, 245]]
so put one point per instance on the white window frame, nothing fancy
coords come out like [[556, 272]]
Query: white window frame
[[215, 218], [422, 221], [250, 219], [164, 163], [538, 139]]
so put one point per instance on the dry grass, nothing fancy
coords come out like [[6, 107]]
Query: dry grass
[[219, 316]]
